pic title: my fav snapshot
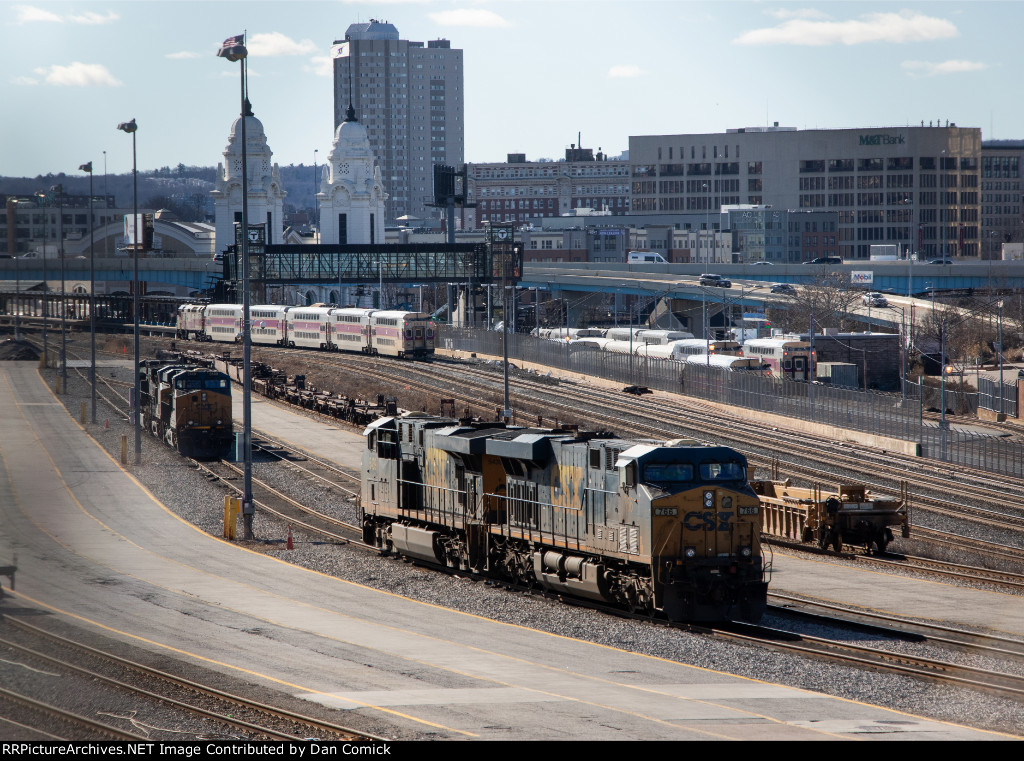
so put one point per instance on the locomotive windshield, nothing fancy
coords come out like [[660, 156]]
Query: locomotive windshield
[[722, 471], [668, 472]]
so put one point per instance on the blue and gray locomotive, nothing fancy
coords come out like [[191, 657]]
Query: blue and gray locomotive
[[188, 406], [670, 528]]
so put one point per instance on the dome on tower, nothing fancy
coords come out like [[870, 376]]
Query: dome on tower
[[253, 128]]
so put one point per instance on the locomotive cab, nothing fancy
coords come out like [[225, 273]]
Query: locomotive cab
[[704, 530]]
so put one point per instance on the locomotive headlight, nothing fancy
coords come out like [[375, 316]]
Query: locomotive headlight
[[745, 552], [690, 552], [709, 499]]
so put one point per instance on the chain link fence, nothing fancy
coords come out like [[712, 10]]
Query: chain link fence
[[883, 414]]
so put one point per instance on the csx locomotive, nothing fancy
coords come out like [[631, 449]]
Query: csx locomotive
[[669, 528], [188, 406]]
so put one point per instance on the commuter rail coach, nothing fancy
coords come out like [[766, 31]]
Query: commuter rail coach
[[788, 358]]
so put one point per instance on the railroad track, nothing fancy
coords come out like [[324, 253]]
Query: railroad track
[[874, 659], [641, 417], [286, 509], [841, 650], [238, 716], [22, 708], [978, 643]]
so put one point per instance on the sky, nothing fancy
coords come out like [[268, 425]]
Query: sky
[[538, 73]]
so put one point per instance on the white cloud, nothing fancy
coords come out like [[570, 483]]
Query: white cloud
[[92, 18], [275, 43], [919, 69], [625, 71], [905, 26], [25, 14], [182, 55], [321, 66], [24, 81], [469, 17], [798, 13], [78, 75]]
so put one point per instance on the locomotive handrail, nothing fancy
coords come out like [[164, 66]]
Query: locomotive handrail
[[539, 529]]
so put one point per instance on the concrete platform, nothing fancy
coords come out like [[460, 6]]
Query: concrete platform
[[95, 546]]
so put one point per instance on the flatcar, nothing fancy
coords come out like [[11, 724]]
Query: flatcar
[[788, 358], [658, 528], [840, 514], [187, 406]]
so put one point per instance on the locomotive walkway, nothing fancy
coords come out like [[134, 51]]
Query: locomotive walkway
[[95, 548]]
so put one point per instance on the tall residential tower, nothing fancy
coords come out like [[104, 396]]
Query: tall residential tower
[[409, 97]]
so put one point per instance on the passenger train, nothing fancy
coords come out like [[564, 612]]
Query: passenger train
[[669, 528], [370, 331], [788, 358]]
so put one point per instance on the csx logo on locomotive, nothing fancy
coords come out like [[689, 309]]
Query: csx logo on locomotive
[[696, 520]]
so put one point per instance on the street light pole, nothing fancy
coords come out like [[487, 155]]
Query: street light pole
[[63, 295], [233, 49], [1000, 357], [92, 295], [46, 287], [130, 128]]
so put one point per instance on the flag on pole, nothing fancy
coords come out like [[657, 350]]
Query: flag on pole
[[233, 48], [86, 167]]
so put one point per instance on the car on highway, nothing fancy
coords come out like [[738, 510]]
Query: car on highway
[[761, 263], [716, 281], [940, 261], [825, 260], [783, 288], [874, 299]]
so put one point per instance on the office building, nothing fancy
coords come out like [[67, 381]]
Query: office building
[[1001, 196], [917, 187], [523, 191], [409, 96]]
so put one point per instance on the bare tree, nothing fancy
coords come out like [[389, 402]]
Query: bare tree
[[828, 298]]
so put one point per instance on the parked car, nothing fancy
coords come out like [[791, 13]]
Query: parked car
[[825, 260], [716, 281], [874, 299], [783, 288]]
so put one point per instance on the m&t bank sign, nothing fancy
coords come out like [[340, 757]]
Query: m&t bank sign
[[882, 139]]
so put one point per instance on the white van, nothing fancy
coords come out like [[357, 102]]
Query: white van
[[646, 257]]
